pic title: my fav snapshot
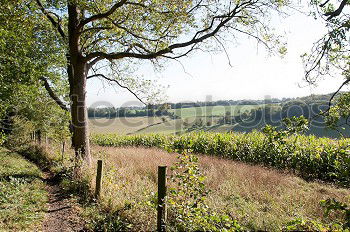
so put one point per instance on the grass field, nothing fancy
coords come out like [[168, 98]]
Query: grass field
[[22, 193], [121, 125], [259, 198]]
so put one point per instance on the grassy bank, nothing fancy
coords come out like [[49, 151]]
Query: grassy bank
[[307, 156], [22, 193]]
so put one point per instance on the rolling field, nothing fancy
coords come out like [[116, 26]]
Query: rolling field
[[208, 119], [189, 116]]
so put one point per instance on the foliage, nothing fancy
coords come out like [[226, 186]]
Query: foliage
[[339, 114], [308, 156], [300, 224], [187, 200], [296, 125], [339, 207], [28, 54]]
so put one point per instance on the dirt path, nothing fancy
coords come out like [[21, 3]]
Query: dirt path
[[62, 210]]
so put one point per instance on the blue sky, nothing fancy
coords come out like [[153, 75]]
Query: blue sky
[[253, 75]]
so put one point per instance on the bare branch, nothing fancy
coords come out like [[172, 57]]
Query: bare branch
[[224, 19], [333, 96], [131, 33], [53, 95], [118, 83], [55, 23], [102, 15], [323, 4], [336, 92], [223, 47], [317, 62]]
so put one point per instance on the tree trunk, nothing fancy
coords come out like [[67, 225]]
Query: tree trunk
[[79, 113], [77, 74]]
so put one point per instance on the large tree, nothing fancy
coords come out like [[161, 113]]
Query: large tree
[[330, 56], [103, 38]]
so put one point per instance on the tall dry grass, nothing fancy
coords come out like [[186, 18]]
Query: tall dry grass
[[259, 198]]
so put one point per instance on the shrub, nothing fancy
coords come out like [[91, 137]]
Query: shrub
[[187, 200]]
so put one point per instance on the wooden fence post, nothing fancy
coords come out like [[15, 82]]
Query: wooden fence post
[[161, 207], [63, 149], [98, 179]]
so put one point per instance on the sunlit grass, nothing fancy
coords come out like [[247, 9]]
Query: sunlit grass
[[259, 198]]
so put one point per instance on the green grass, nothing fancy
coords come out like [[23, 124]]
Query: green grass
[[22, 197]]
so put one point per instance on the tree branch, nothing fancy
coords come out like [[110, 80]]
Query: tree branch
[[333, 95], [95, 28], [318, 59], [51, 19], [337, 12], [53, 95], [118, 83], [323, 4], [102, 15]]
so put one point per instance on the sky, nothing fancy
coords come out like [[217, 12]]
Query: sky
[[253, 74]]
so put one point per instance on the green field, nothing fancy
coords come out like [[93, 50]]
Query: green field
[[208, 111]]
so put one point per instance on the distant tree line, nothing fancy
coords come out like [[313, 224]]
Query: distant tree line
[[309, 107], [149, 111]]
